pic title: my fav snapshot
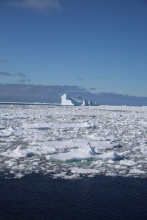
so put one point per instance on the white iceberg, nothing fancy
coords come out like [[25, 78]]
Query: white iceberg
[[89, 103], [76, 101], [67, 100]]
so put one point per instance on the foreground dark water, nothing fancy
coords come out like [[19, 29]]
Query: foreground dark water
[[40, 197]]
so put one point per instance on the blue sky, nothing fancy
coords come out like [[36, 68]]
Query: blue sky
[[100, 44]]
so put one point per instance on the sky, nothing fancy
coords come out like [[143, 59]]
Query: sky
[[99, 46]]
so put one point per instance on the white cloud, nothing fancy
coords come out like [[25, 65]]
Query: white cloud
[[39, 5]]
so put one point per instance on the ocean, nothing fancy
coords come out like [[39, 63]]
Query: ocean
[[41, 197]]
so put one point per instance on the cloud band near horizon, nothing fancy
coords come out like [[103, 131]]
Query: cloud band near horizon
[[52, 94]]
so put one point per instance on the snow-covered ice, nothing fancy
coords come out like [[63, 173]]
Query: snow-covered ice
[[73, 141], [83, 171]]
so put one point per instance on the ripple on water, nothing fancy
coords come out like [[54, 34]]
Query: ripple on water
[[40, 197]]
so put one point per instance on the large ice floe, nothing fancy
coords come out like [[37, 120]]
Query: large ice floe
[[73, 142], [76, 101]]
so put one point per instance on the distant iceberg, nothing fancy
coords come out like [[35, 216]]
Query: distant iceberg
[[89, 103], [67, 100], [76, 101]]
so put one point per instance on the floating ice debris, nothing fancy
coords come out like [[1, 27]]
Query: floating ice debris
[[10, 163], [19, 175], [74, 176], [83, 170], [76, 101], [128, 162], [136, 171], [57, 125]]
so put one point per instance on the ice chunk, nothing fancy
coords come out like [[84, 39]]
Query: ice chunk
[[10, 163], [20, 152], [19, 175], [74, 176], [62, 174], [128, 162], [83, 170], [136, 171], [86, 153]]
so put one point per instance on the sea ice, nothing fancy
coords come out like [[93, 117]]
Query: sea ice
[[54, 140]]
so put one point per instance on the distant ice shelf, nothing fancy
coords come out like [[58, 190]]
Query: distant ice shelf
[[28, 103]]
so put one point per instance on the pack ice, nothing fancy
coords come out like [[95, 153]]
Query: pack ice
[[73, 141]]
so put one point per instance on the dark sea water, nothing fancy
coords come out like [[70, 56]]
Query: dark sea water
[[40, 197]]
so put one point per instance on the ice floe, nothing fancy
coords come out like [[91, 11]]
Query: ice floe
[[83, 170], [57, 125], [86, 153]]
